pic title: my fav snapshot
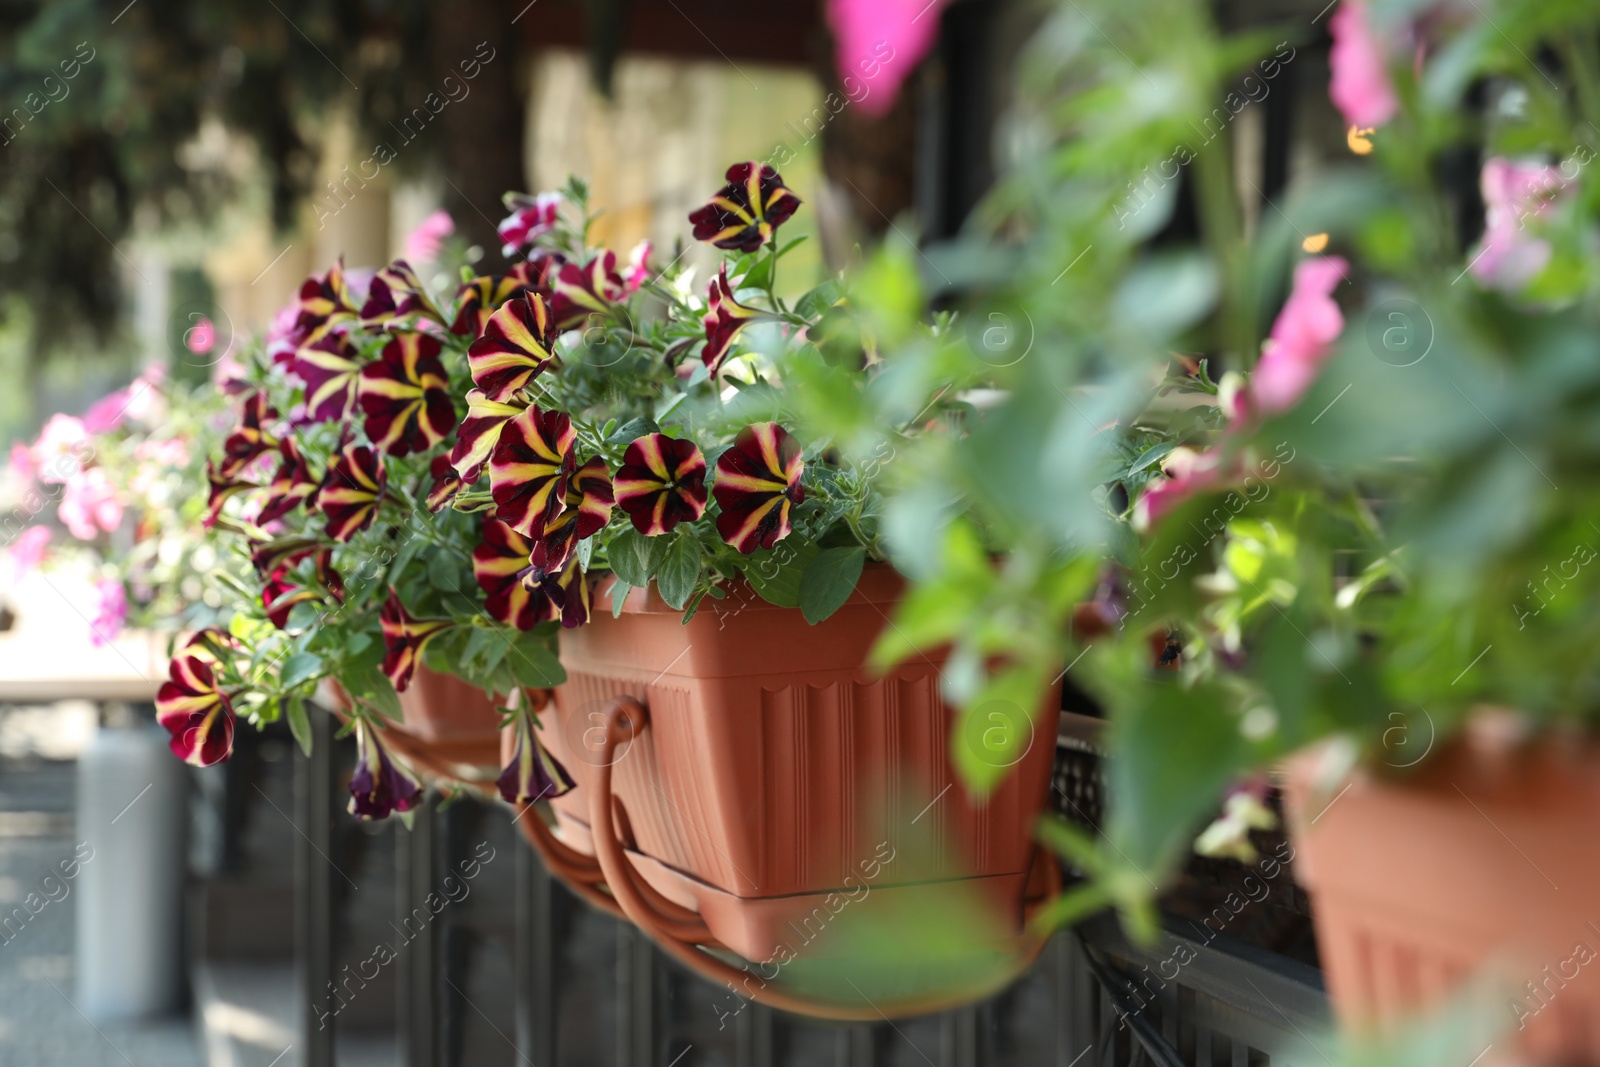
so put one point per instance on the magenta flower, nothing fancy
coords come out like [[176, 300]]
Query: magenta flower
[[27, 551], [62, 446], [531, 218], [1508, 257], [1302, 337], [878, 43], [111, 611], [424, 242], [90, 505], [1189, 472], [1360, 87], [107, 413], [638, 270]]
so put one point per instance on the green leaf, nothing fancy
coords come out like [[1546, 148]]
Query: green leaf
[[534, 665], [1001, 726], [299, 724], [829, 581], [775, 573], [299, 669], [635, 557], [619, 593], [680, 570]]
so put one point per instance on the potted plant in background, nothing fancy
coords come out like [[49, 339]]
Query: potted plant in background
[[1343, 454]]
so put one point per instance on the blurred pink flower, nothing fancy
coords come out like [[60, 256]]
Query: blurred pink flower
[[27, 551], [1302, 337], [638, 271], [107, 413], [110, 614], [201, 337], [1188, 472], [90, 505], [879, 42], [284, 335], [61, 449], [22, 466], [423, 243], [1360, 86], [1508, 257]]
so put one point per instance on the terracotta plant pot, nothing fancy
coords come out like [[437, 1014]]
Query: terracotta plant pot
[[442, 708], [762, 770], [1485, 859]]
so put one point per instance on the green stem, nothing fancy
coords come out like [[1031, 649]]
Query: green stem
[[1219, 214]]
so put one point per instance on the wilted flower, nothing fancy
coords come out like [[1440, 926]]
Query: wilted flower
[[332, 372], [352, 490], [498, 563], [757, 484], [379, 786], [724, 318], [749, 208], [1508, 257], [662, 482], [529, 468], [1302, 337], [404, 638], [405, 395], [531, 218], [1359, 87], [192, 708], [533, 773], [514, 348]]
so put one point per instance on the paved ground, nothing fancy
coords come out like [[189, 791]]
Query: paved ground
[[39, 1025]]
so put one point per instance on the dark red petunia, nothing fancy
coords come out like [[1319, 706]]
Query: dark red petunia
[[281, 592], [290, 487], [480, 298], [331, 370], [352, 490], [251, 439], [533, 773], [723, 320], [404, 638], [587, 510], [326, 305], [221, 489], [662, 482], [282, 588], [479, 433], [498, 563], [531, 218], [405, 395], [446, 484], [514, 349], [192, 708], [567, 593], [379, 786], [757, 484], [397, 299], [579, 292], [749, 208], [529, 468]]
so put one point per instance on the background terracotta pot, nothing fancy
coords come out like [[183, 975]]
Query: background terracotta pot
[[442, 708], [1486, 858], [774, 765]]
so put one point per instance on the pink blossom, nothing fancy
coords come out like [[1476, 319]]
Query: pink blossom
[[61, 449], [1302, 337], [107, 413], [90, 505], [27, 551], [1360, 87], [283, 335], [111, 612], [144, 395], [423, 243], [638, 271], [531, 218], [1508, 257], [22, 466], [201, 337], [1188, 472], [879, 42]]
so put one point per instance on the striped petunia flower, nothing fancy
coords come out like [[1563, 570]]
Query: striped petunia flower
[[325, 305], [480, 298], [352, 490], [446, 484], [192, 707], [560, 594], [404, 638], [331, 370], [282, 588], [723, 320], [498, 563], [480, 432], [221, 489], [405, 395], [251, 438], [662, 482], [587, 510], [515, 347], [281, 592], [533, 773], [744, 214], [529, 469], [290, 487], [579, 292], [397, 299], [757, 485], [380, 786], [531, 218]]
